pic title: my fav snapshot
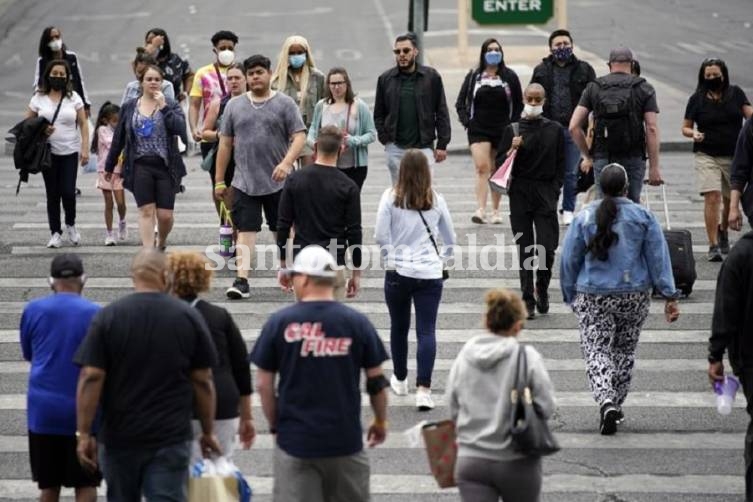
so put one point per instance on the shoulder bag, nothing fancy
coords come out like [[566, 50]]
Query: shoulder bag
[[499, 182], [445, 272], [530, 433]]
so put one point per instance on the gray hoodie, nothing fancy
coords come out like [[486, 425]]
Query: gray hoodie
[[478, 394]]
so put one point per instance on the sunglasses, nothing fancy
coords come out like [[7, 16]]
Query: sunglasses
[[404, 50]]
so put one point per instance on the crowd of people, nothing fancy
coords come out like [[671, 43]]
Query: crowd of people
[[287, 144]]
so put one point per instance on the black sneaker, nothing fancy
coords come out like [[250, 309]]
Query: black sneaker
[[723, 241], [609, 418], [531, 308], [714, 254], [239, 289], [542, 301]]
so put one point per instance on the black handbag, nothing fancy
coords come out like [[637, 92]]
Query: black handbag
[[445, 272], [530, 432], [584, 180]]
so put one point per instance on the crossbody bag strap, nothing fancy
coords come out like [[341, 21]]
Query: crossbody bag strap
[[428, 230], [515, 128], [57, 110], [219, 78]]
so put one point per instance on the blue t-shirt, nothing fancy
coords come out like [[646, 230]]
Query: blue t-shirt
[[319, 348], [52, 328]]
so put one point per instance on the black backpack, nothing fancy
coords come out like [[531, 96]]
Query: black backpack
[[618, 123]]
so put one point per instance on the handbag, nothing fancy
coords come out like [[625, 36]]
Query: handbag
[[43, 159], [499, 182], [529, 432], [445, 272], [584, 180], [207, 163], [442, 451]]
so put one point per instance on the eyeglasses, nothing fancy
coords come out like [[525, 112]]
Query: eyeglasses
[[336, 84], [404, 50]]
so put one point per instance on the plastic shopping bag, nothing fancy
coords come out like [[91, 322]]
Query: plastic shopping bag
[[217, 481]]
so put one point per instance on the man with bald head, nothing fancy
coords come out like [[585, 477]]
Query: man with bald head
[[537, 177], [147, 360]]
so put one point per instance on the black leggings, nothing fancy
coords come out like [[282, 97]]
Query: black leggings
[[60, 185], [357, 174]]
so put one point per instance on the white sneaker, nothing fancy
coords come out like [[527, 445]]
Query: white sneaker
[[55, 241], [424, 402], [496, 219], [399, 387], [122, 230], [109, 239], [567, 217], [72, 235]]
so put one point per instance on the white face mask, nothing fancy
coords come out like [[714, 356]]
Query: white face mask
[[56, 45], [532, 112], [226, 57]]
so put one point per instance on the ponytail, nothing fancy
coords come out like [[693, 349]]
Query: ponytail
[[605, 237], [106, 111]]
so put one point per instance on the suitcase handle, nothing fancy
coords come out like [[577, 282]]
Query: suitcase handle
[[664, 199]]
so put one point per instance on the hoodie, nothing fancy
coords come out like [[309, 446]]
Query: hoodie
[[478, 394]]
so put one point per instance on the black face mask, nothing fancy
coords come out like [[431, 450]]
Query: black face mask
[[713, 84], [57, 83]]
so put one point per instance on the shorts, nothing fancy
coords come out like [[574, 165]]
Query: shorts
[[329, 478], [246, 212], [152, 183], [713, 173], [103, 184], [54, 463], [484, 137], [229, 172]]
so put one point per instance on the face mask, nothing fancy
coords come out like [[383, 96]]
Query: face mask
[[493, 58], [562, 53], [297, 60], [57, 83], [56, 45], [532, 112], [713, 84], [226, 57]]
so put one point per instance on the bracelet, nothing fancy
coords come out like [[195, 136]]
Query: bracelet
[[221, 184], [382, 424]]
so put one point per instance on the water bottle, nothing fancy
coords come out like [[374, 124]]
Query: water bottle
[[725, 394], [226, 240]]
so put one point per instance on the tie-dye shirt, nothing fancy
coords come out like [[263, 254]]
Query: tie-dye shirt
[[206, 85]]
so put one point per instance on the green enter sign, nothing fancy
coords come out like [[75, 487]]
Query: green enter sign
[[512, 11]]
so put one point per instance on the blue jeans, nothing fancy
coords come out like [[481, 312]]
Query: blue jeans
[[160, 475], [636, 170], [395, 155], [572, 157], [425, 294]]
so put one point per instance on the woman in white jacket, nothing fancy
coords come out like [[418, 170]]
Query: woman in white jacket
[[478, 393], [410, 219]]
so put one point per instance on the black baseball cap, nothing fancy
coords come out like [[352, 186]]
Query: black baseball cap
[[65, 266]]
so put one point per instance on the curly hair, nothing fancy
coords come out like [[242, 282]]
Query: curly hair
[[503, 309], [190, 273]]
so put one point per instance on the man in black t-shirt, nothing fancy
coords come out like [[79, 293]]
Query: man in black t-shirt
[[146, 358], [741, 178], [324, 205], [319, 347], [625, 124]]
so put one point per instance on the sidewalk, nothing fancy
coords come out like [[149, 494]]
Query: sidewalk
[[522, 59]]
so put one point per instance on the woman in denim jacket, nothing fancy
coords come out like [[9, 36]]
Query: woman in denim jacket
[[613, 255]]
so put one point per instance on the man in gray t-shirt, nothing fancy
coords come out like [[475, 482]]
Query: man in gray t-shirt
[[264, 132]]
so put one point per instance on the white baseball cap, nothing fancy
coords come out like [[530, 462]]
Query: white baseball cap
[[314, 261]]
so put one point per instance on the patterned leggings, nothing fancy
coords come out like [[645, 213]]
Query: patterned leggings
[[609, 329]]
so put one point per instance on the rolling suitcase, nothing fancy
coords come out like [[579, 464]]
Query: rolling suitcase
[[680, 245]]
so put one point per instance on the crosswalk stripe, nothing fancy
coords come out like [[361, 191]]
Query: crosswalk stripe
[[396, 440], [652, 365], [636, 399], [269, 282], [534, 336], [386, 484], [266, 308]]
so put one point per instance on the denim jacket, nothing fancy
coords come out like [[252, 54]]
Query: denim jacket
[[638, 261]]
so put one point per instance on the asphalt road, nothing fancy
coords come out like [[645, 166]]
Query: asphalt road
[[673, 446]]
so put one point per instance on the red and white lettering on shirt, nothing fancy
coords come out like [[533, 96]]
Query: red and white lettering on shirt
[[314, 340]]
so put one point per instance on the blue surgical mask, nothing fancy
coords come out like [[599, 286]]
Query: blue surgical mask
[[562, 53], [297, 60], [493, 58]]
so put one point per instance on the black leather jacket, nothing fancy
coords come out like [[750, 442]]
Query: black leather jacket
[[431, 105], [579, 79]]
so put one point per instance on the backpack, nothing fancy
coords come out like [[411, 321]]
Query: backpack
[[618, 125]]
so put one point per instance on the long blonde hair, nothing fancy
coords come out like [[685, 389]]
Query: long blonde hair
[[280, 76]]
